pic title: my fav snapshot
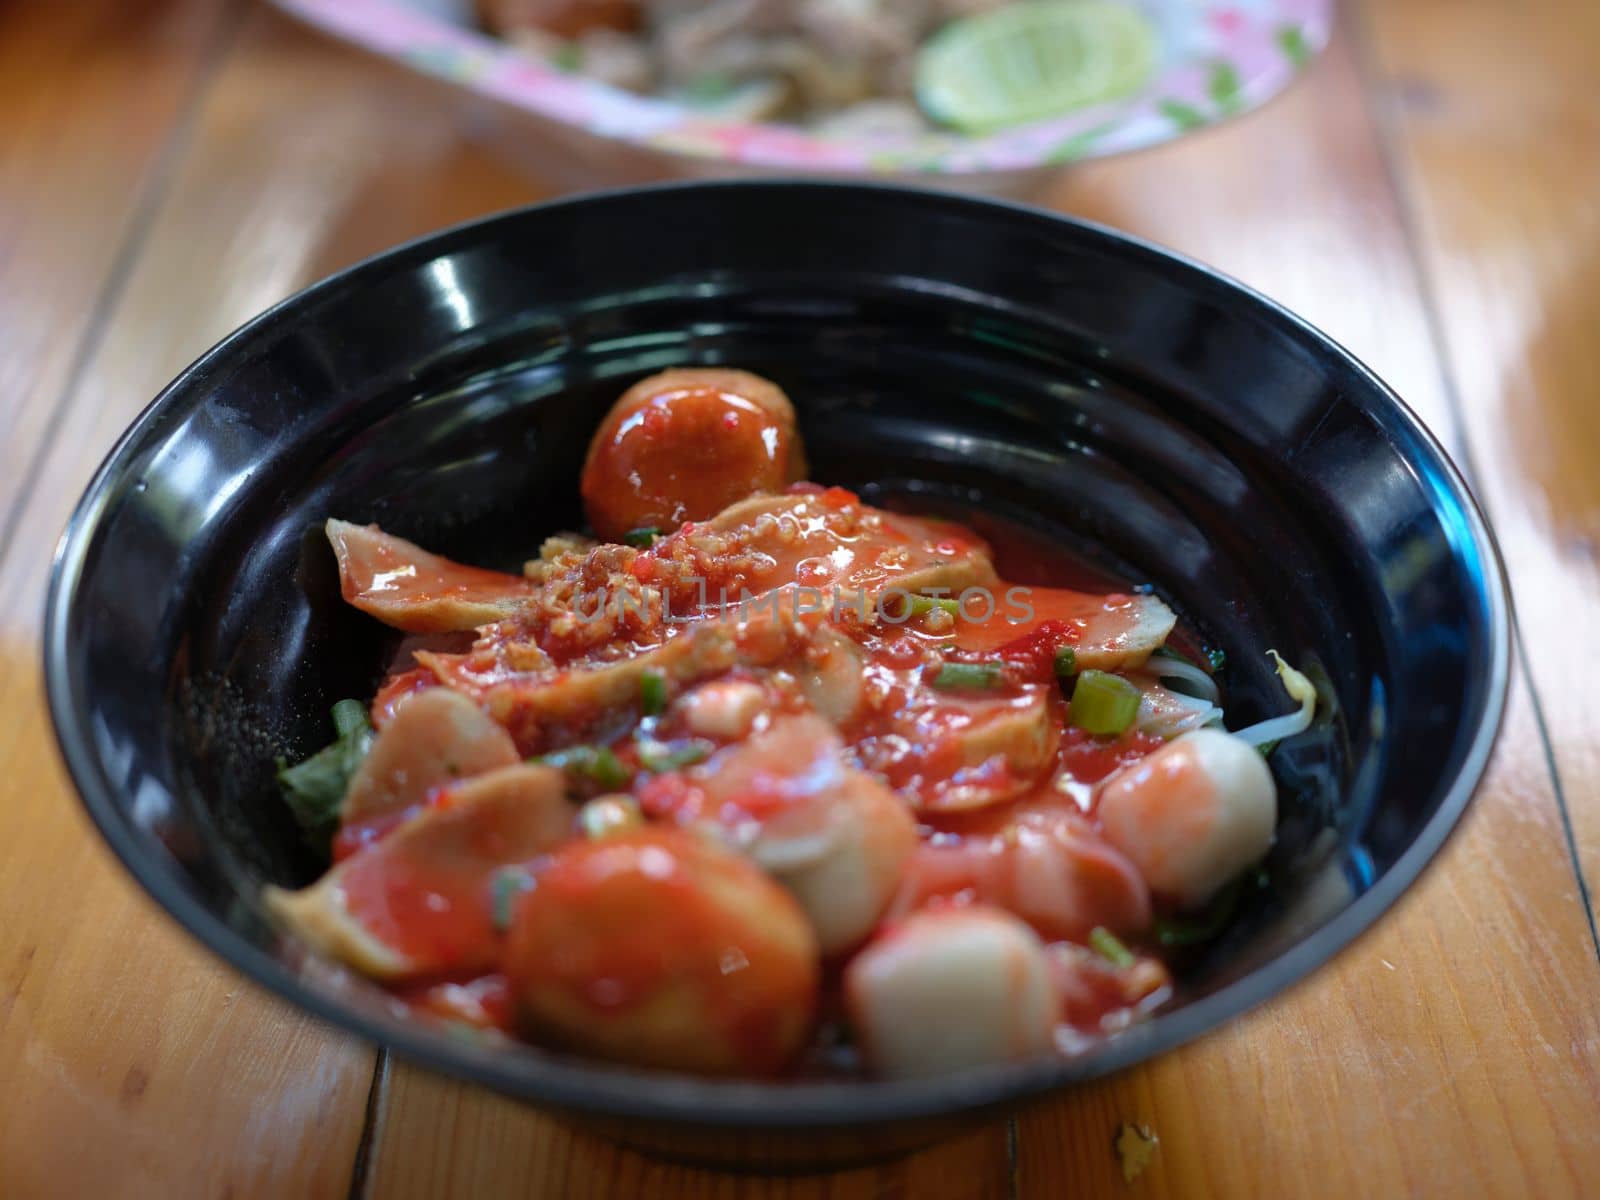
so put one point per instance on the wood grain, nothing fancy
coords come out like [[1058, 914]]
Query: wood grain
[[1383, 1050], [91, 94], [1496, 138], [1444, 1053], [439, 1139], [133, 1064]]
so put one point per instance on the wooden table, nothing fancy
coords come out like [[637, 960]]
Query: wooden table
[[1429, 194]]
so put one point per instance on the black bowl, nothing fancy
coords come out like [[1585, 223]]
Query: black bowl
[[1168, 423]]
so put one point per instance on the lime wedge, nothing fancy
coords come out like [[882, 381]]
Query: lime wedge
[[1029, 61]]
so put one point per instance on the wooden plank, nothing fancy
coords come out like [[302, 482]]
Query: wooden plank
[[304, 159], [1448, 1051], [1496, 136], [134, 1063], [1403, 1046], [90, 93], [1335, 256], [441, 1139], [1394, 1071], [386, 162], [114, 1030], [1291, 200]]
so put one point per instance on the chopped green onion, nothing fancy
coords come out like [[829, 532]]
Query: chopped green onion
[[659, 756], [1216, 658], [1103, 703], [1066, 662], [505, 885], [643, 537], [607, 815], [921, 606], [597, 763], [954, 676], [1109, 947], [652, 693]]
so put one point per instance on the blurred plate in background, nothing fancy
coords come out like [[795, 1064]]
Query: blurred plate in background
[[1217, 59]]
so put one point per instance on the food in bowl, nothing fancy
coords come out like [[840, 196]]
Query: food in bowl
[[763, 780], [847, 67]]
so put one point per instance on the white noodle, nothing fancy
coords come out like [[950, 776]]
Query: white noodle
[[1200, 683], [1276, 728]]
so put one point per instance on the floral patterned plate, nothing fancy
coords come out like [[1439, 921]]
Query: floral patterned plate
[[1219, 58]]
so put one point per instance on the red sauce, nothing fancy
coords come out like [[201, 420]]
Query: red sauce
[[824, 540], [358, 836], [411, 589], [619, 924], [1090, 759], [432, 898], [1046, 864], [1020, 554], [1034, 652], [1094, 991], [420, 908], [683, 454], [610, 925], [1074, 614], [398, 687]]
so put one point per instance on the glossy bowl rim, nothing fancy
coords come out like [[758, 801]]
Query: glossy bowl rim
[[598, 1089]]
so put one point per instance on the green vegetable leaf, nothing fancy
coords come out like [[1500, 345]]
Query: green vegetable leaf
[[1078, 145], [1185, 116], [1066, 662], [643, 538], [1223, 88], [1292, 41], [315, 789]]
